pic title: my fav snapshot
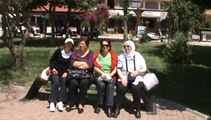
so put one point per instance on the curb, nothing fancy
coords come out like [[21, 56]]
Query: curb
[[201, 115]]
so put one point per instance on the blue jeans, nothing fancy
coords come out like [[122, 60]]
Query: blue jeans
[[56, 83], [105, 90]]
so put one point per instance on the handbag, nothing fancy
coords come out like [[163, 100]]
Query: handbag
[[129, 78], [78, 73], [150, 80], [45, 74]]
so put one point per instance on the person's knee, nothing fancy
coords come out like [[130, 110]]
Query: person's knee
[[85, 82], [101, 85], [73, 83]]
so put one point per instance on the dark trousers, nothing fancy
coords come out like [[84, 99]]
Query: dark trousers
[[105, 89], [135, 90], [56, 83], [74, 94]]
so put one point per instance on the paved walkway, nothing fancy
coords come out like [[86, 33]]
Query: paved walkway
[[12, 107]]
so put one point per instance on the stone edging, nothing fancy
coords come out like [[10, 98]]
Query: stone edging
[[201, 115]]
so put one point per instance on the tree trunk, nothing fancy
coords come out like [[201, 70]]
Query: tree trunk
[[18, 56], [125, 19], [68, 31], [15, 50], [52, 22], [138, 21], [125, 28]]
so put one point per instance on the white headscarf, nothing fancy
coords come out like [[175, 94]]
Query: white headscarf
[[132, 52]]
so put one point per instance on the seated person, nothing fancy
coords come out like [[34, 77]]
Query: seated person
[[59, 63], [130, 61], [105, 61], [81, 59]]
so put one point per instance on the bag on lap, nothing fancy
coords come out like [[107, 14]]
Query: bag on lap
[[45, 74], [129, 78], [78, 73]]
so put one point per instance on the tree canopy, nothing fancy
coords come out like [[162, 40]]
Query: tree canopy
[[184, 15], [205, 4]]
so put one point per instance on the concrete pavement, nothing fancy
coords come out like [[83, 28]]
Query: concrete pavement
[[13, 107]]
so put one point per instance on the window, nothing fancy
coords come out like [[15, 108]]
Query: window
[[135, 4], [119, 3], [151, 5]]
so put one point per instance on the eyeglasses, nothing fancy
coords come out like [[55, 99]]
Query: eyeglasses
[[126, 46], [103, 45]]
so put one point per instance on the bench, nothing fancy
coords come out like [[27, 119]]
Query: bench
[[204, 32], [149, 105]]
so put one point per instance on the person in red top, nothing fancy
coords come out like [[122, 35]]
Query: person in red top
[[105, 62]]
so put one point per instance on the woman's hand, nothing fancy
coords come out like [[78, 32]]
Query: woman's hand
[[124, 82], [134, 73], [54, 71], [64, 75], [122, 77]]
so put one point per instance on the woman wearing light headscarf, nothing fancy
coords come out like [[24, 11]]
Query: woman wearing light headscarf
[[130, 61]]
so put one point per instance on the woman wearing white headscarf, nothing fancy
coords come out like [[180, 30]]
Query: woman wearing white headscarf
[[130, 61]]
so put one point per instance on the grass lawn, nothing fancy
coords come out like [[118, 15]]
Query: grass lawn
[[188, 85]]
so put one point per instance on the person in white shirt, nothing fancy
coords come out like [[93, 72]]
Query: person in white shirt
[[130, 64]]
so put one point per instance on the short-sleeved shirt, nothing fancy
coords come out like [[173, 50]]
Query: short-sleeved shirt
[[88, 59], [139, 63], [105, 63]]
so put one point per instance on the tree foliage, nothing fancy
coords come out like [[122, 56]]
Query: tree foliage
[[205, 4], [185, 15], [15, 18], [178, 51], [96, 19]]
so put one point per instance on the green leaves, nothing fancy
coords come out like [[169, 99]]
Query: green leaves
[[178, 51], [184, 15]]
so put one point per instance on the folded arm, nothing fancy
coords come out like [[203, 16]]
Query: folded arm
[[80, 65]]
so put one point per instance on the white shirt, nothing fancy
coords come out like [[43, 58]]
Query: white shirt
[[139, 64]]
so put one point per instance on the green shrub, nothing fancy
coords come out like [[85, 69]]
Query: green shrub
[[145, 38], [178, 51]]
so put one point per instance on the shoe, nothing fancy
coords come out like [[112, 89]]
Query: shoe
[[60, 106], [69, 108], [109, 112], [52, 107], [80, 109], [116, 112], [138, 114], [97, 110]]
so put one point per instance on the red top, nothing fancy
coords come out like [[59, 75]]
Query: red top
[[114, 57]]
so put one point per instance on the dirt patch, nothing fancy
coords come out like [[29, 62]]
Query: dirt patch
[[11, 92]]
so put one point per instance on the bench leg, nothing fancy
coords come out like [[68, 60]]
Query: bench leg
[[35, 87], [148, 103]]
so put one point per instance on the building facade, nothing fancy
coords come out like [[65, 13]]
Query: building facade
[[149, 13]]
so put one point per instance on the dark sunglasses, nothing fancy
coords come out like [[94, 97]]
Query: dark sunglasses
[[105, 45], [126, 46]]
